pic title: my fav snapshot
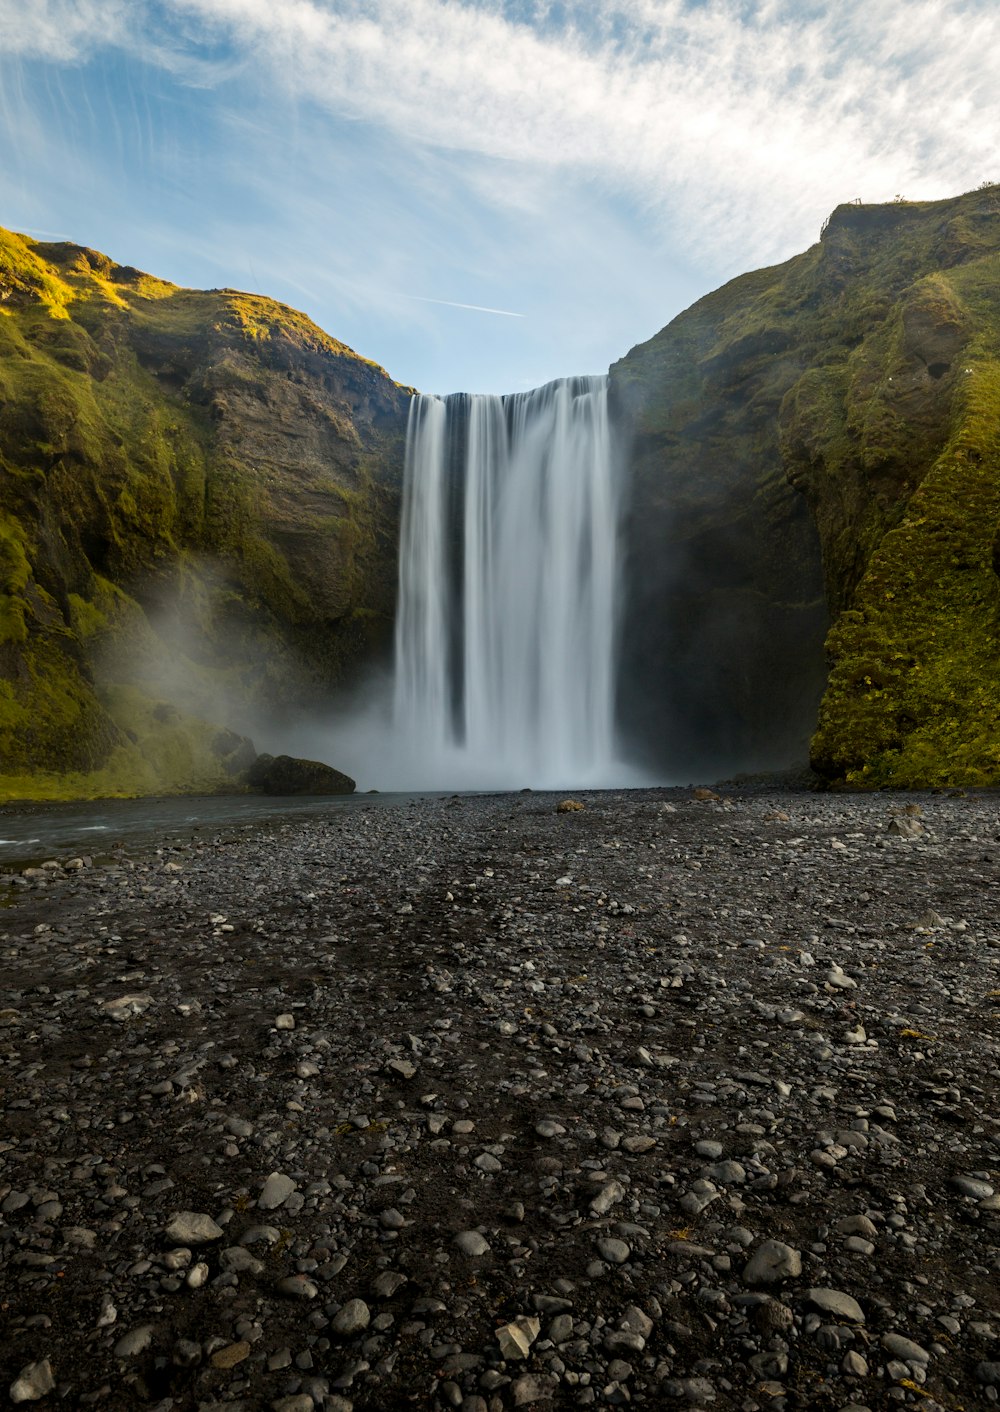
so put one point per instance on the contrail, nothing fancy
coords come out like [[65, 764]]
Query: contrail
[[476, 308]]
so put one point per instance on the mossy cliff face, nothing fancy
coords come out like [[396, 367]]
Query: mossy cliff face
[[199, 499], [818, 445]]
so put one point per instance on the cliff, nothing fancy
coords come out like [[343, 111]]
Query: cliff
[[199, 499], [816, 455], [199, 504]]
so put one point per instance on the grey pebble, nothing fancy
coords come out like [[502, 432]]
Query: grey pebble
[[275, 1191], [193, 1228], [352, 1318], [136, 1341], [472, 1243], [772, 1262], [33, 1382]]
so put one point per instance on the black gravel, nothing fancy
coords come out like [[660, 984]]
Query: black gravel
[[473, 1103]]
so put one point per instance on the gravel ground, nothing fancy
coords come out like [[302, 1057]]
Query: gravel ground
[[472, 1103]]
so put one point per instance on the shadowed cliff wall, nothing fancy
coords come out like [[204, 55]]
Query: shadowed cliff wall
[[817, 444]]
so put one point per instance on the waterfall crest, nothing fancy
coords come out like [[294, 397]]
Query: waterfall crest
[[508, 589]]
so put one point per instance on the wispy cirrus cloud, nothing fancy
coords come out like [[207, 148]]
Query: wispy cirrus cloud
[[740, 122], [444, 145], [62, 29]]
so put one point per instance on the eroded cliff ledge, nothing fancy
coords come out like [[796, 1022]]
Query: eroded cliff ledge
[[199, 501], [817, 446]]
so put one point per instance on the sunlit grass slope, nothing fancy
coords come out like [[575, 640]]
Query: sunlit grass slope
[[198, 497]]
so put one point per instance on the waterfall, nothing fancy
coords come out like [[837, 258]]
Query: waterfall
[[508, 587]]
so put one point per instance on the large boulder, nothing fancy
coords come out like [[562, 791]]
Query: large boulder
[[286, 774]]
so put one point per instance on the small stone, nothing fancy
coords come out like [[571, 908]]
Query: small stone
[[857, 1226], [771, 1263], [472, 1243], [232, 1354], [709, 1149], [638, 1144], [836, 1302], [610, 1193], [569, 806], [905, 1349], [547, 1128], [972, 1186], [637, 1320], [772, 1317], [126, 1007], [108, 1313], [238, 1261], [615, 1251], [297, 1287], [297, 1402], [136, 1341], [284, 1022], [193, 1228], [275, 1191], [857, 1245], [354, 1317], [533, 1387], [388, 1283], [516, 1338], [700, 1197], [33, 1382], [728, 1173], [624, 1341], [561, 1328]]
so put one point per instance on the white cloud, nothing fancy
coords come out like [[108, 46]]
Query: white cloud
[[61, 29], [737, 123], [742, 123]]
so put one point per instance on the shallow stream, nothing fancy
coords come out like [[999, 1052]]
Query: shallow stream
[[30, 833]]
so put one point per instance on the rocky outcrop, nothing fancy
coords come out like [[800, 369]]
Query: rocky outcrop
[[199, 501], [286, 774], [815, 453]]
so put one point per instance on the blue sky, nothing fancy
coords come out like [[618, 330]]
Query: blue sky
[[578, 172]]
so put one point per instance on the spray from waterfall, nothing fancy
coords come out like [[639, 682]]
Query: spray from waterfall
[[508, 591]]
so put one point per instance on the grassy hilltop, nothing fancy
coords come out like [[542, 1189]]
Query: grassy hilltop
[[816, 446], [198, 509]]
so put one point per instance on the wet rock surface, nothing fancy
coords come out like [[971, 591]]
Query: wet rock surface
[[473, 1104]]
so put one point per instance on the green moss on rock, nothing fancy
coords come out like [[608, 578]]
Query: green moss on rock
[[860, 380], [196, 478]]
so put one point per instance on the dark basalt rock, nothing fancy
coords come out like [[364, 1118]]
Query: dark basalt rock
[[286, 774], [813, 458]]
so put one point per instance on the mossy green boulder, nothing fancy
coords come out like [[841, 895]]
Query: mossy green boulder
[[199, 500], [817, 446]]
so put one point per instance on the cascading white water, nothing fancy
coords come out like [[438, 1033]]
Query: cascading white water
[[508, 587]]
